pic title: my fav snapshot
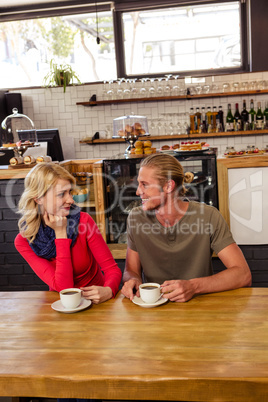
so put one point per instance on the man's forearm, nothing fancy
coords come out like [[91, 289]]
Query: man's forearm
[[129, 274], [232, 278]]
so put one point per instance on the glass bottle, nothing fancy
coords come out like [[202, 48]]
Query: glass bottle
[[208, 119], [265, 116], [220, 118], [244, 117], [259, 117], [214, 118], [229, 119], [203, 127], [237, 119], [197, 120], [251, 115], [192, 125]]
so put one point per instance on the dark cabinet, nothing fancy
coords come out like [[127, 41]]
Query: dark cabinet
[[120, 183]]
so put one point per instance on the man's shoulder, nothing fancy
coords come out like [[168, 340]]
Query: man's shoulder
[[201, 207]]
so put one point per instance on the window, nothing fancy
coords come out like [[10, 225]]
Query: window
[[27, 46], [187, 40], [181, 39]]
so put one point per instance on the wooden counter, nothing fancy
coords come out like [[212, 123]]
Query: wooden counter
[[212, 348], [7, 173]]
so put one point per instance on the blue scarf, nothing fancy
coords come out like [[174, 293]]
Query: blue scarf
[[44, 243]]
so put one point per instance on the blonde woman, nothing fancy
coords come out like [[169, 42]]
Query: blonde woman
[[62, 244], [171, 240]]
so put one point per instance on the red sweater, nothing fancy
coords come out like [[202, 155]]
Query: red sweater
[[88, 262]]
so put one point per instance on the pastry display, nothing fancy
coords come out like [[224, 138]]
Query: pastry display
[[188, 177], [190, 146], [83, 178], [80, 194], [250, 151], [77, 191], [147, 144], [176, 146], [165, 148], [143, 147], [148, 151], [29, 159], [16, 161], [45, 158], [130, 126], [11, 145]]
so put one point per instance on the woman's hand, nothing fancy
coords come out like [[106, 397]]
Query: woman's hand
[[57, 223], [98, 294]]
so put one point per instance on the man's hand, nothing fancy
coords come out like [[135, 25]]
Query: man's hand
[[178, 290], [129, 286], [98, 294]]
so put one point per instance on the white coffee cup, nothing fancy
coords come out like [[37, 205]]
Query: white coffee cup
[[150, 292], [71, 298]]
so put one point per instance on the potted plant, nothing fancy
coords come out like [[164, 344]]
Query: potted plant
[[61, 75]]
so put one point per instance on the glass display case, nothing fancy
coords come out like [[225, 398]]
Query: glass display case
[[120, 183]]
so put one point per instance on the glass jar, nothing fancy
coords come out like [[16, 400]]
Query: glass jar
[[250, 149], [130, 126], [18, 129], [230, 151]]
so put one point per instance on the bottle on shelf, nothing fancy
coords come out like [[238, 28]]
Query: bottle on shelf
[[203, 126], [209, 120], [259, 117], [214, 118], [229, 120], [192, 125], [251, 118], [197, 120], [220, 122], [265, 116], [244, 117], [237, 119]]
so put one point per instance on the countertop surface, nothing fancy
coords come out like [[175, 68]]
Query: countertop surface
[[212, 348]]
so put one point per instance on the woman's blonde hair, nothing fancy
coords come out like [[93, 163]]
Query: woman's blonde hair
[[166, 168], [38, 181]]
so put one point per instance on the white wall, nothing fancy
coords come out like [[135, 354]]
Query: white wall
[[248, 204], [52, 108]]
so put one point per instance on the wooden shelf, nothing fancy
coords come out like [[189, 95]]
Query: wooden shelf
[[177, 137], [167, 98]]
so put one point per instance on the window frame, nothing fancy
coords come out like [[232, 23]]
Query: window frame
[[146, 5], [118, 8]]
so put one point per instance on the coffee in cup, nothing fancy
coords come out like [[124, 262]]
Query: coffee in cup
[[150, 292], [70, 298]]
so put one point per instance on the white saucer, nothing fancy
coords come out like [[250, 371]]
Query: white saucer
[[139, 302], [59, 307]]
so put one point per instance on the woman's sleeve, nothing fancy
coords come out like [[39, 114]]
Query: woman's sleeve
[[103, 256], [57, 274]]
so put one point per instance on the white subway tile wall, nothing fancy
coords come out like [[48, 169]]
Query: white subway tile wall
[[52, 108]]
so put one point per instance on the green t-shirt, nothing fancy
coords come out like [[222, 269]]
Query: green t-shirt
[[182, 251]]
